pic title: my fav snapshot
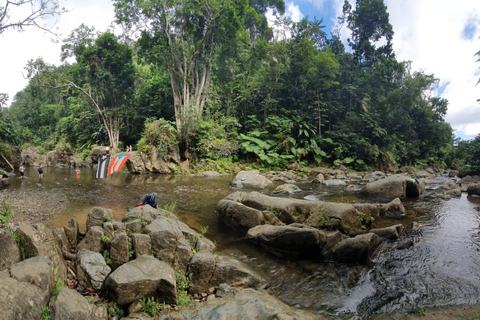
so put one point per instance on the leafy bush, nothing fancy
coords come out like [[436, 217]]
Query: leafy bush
[[215, 139], [160, 134], [6, 212]]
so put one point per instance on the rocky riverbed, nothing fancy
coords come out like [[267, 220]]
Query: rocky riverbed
[[33, 206]]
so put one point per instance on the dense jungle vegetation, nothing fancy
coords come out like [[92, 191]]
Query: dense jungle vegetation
[[212, 80]]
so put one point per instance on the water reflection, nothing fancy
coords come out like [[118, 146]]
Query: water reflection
[[441, 268]]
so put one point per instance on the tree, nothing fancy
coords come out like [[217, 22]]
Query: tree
[[19, 14], [187, 34], [104, 76]]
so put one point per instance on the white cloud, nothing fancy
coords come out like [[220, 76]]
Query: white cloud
[[433, 36], [293, 11], [19, 47]]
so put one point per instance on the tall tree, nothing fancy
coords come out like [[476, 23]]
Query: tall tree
[[188, 33], [104, 76]]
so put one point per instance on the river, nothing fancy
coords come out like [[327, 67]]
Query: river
[[440, 269]]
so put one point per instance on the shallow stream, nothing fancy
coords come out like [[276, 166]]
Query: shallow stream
[[442, 268]]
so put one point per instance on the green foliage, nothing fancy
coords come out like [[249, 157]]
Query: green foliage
[[6, 212], [152, 307], [58, 283], [114, 310], [46, 313], [106, 256], [421, 312], [106, 240], [159, 135], [472, 316], [215, 140], [16, 236], [183, 284], [169, 208]]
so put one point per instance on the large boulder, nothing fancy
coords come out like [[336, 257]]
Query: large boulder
[[92, 240], [21, 300], [234, 273], [250, 179], [119, 251], [142, 277], [97, 216], [169, 243], [72, 232], [201, 267], [38, 271], [374, 176], [91, 269], [474, 189], [395, 186], [238, 216], [97, 152], [31, 157], [246, 304], [286, 188], [144, 213], [9, 251], [394, 209], [340, 216], [69, 304], [358, 249], [38, 240], [288, 241], [141, 244], [393, 232]]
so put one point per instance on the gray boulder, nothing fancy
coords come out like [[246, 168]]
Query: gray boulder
[[457, 192], [72, 232], [287, 188], [9, 251], [392, 232], [169, 243], [288, 241], [238, 216], [340, 216], [331, 240], [142, 244], [394, 209], [250, 179], [21, 300], [38, 271], [91, 269], [97, 216], [93, 240], [358, 249], [395, 186], [374, 176], [134, 226], [474, 189], [119, 251], [201, 267], [234, 273], [69, 304], [334, 182], [144, 213], [61, 237], [142, 277], [38, 240], [246, 304], [319, 178]]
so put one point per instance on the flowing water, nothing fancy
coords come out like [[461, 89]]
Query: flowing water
[[440, 269]]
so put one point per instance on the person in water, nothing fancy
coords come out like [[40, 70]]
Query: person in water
[[22, 171], [40, 171], [78, 173], [149, 199]]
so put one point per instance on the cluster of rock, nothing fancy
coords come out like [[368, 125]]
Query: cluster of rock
[[292, 228], [146, 252], [288, 227]]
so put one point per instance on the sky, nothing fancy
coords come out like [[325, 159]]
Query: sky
[[439, 37]]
